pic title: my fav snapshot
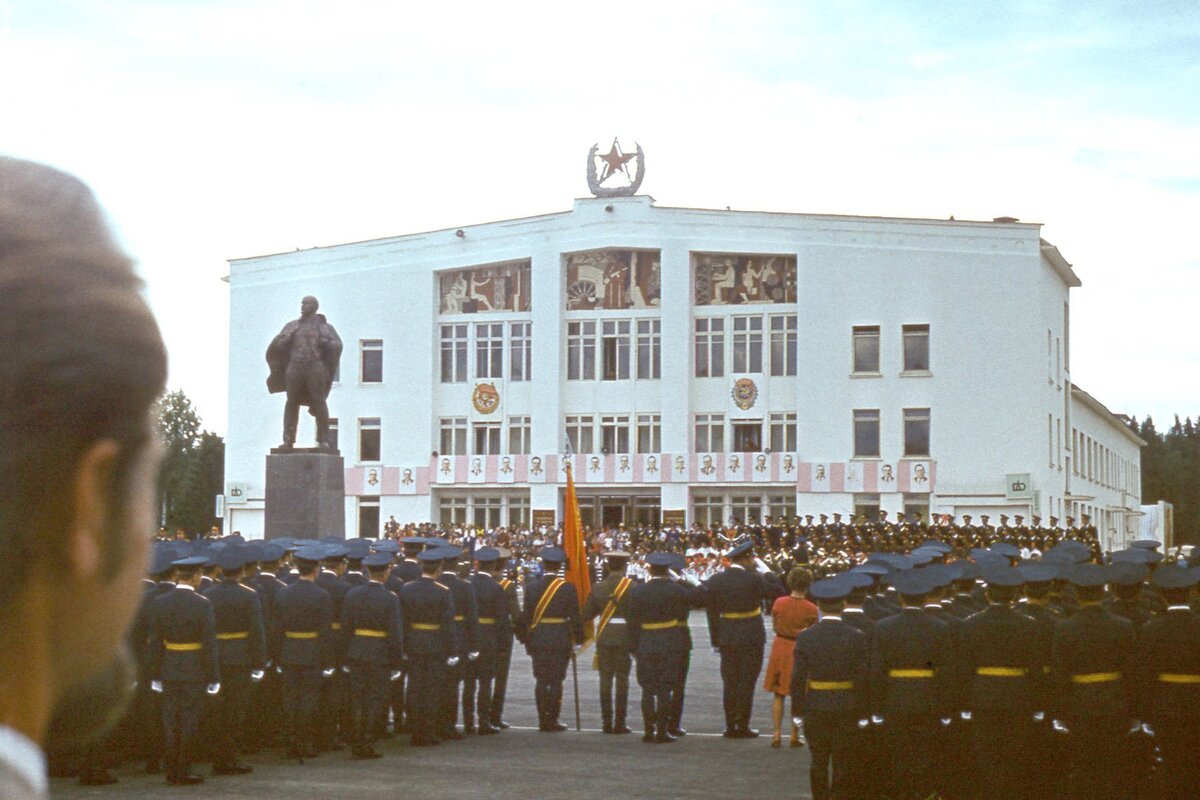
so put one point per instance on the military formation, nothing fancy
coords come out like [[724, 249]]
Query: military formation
[[953, 666]]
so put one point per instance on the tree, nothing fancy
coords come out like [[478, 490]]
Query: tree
[[193, 466], [1171, 472]]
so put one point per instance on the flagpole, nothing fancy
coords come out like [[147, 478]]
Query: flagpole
[[569, 451], [575, 684]]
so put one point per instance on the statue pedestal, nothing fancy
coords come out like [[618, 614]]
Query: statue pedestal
[[306, 494]]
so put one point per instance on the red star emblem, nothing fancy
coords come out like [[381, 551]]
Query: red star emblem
[[615, 161]]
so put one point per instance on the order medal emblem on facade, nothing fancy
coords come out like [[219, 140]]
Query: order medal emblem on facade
[[485, 398], [745, 393], [616, 169]]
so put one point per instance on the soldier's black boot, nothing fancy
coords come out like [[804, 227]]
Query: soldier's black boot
[[621, 709]]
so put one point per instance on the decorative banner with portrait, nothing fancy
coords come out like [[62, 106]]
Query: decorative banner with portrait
[[485, 290], [723, 280], [613, 279]]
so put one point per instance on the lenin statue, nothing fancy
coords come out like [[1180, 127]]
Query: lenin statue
[[304, 359]]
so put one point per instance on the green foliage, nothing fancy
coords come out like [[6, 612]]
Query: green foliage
[[193, 467], [1171, 472]]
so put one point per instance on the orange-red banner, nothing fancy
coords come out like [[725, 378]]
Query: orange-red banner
[[577, 562]]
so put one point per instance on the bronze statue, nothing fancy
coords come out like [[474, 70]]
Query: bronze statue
[[304, 359]]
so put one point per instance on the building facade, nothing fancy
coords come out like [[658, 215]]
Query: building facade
[[703, 365]]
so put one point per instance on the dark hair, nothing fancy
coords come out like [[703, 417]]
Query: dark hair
[[832, 606], [1089, 594], [799, 579], [1001, 594], [83, 361]]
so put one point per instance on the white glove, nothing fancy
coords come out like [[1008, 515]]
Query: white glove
[[798, 722], [1146, 729], [346, 670], [864, 723], [396, 674], [1039, 716], [256, 675], [156, 687], [279, 669], [876, 719], [761, 565], [1136, 726], [473, 656], [327, 673], [1058, 726], [945, 721], [213, 688], [965, 716], [691, 579], [452, 661]]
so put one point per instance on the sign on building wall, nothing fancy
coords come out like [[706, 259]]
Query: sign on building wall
[[1018, 486], [674, 516], [543, 516]]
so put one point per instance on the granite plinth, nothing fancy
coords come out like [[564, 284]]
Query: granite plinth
[[306, 494]]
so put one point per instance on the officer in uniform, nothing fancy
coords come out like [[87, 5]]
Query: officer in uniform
[[241, 643], [1093, 668], [504, 643], [696, 600], [609, 601], [1169, 661], [183, 661], [464, 625], [494, 626], [830, 693], [334, 692], [551, 618], [302, 648], [734, 599], [429, 646], [374, 625], [653, 612], [912, 671]]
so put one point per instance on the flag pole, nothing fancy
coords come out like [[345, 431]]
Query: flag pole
[[575, 685], [569, 451]]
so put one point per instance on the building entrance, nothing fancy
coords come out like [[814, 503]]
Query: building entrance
[[600, 512]]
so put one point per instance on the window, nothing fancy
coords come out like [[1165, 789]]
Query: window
[[783, 433], [487, 438], [371, 361], [916, 504], [649, 349], [783, 345], [866, 348], [581, 351], [710, 433], [746, 508], [1057, 359], [614, 434], [332, 439], [1058, 440], [615, 348], [518, 435], [710, 348], [747, 437], [866, 505], [368, 517], [452, 510], [454, 354], [579, 433], [747, 344], [520, 354], [916, 348], [368, 439], [866, 432], [1050, 437], [453, 436], [518, 512], [649, 433], [782, 506], [485, 512], [489, 350], [916, 431], [708, 510]]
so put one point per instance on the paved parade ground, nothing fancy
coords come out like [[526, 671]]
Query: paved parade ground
[[521, 762]]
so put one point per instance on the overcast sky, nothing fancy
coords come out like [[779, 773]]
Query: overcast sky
[[214, 130]]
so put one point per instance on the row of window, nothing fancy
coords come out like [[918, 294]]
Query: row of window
[[1097, 463], [500, 349], [747, 341], [915, 340]]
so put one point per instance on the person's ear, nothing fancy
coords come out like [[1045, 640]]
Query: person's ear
[[91, 497]]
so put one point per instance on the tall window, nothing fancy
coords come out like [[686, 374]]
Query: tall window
[[866, 432], [710, 347], [368, 439], [518, 511], [615, 347], [453, 510], [866, 348], [581, 350], [783, 344], [580, 432], [916, 348], [649, 433], [783, 433], [487, 438], [747, 437], [332, 441], [371, 360], [453, 436], [614, 433], [489, 350], [454, 354], [368, 517], [747, 344], [485, 512], [520, 358], [916, 431], [866, 505], [710, 433], [745, 508], [708, 510], [649, 347], [518, 435], [782, 506]]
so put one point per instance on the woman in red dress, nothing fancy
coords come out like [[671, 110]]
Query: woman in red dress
[[789, 616]]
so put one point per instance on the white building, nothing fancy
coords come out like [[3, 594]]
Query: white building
[[705, 364]]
